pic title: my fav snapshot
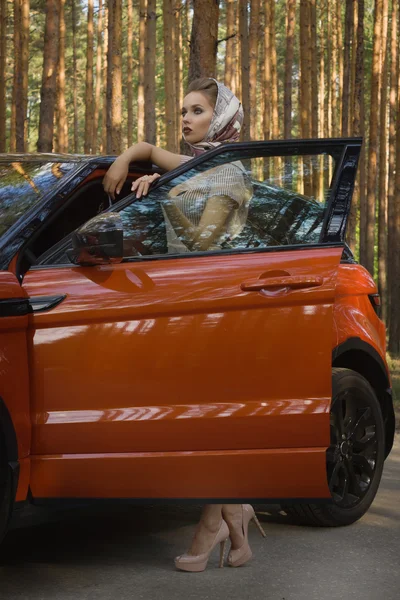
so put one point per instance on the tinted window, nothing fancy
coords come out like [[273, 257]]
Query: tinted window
[[274, 201], [22, 185]]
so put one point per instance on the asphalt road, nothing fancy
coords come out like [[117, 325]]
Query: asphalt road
[[127, 553]]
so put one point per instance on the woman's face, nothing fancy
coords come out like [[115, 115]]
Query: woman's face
[[197, 113]]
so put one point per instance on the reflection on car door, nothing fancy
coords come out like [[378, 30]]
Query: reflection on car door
[[224, 358]]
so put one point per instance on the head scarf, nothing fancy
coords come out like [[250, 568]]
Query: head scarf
[[226, 121]]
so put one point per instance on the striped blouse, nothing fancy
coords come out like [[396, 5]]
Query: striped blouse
[[191, 197]]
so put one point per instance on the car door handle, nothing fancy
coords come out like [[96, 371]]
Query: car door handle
[[295, 283]]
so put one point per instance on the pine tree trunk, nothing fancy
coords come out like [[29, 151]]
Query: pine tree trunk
[[353, 62], [62, 108], [394, 331], [3, 62], [340, 62], [334, 70], [110, 36], [141, 70], [17, 81], [49, 77], [267, 73], [150, 74], [22, 119], [305, 65], [89, 82], [359, 128], [244, 54], [170, 99], [393, 116], [97, 94], [274, 75], [321, 96], [314, 69], [348, 35], [373, 137], [129, 74], [203, 40], [104, 116], [116, 79], [229, 78], [287, 102], [253, 55], [382, 188], [178, 71], [74, 78]]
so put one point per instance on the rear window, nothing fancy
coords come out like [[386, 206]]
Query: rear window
[[22, 185]]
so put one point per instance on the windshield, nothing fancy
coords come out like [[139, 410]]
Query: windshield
[[22, 185]]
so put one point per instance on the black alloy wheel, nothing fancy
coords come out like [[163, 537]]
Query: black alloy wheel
[[355, 457]]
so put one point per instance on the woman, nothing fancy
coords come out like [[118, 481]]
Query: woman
[[200, 214]]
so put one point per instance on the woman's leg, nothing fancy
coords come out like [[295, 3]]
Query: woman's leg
[[206, 529], [232, 514]]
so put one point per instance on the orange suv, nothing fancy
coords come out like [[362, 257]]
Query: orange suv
[[252, 371]]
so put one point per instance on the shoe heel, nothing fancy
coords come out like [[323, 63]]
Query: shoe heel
[[222, 554], [259, 527]]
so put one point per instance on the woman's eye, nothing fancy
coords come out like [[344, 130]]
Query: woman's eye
[[198, 111]]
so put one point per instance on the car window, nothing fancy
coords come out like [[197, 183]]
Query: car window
[[270, 201], [23, 184], [232, 202]]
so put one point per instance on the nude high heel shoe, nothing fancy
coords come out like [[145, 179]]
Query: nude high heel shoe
[[196, 563], [238, 557]]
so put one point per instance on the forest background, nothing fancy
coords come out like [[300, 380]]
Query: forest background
[[95, 76]]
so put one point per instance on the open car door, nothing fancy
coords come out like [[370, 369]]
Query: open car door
[[198, 374]]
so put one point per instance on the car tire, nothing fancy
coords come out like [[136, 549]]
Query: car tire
[[6, 493], [355, 457]]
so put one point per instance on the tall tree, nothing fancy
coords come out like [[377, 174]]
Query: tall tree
[[394, 326], [114, 46], [22, 104], [229, 78], [97, 93], [106, 91], [3, 62], [17, 79], [287, 102], [49, 77], [382, 181], [267, 74], [203, 40], [89, 82], [373, 136], [141, 73], [253, 56], [359, 127], [348, 35], [334, 67], [178, 70], [245, 70], [74, 77], [62, 107], [169, 73], [150, 73], [393, 112], [129, 74]]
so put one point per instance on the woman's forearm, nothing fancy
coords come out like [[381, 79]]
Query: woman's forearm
[[138, 152], [147, 152]]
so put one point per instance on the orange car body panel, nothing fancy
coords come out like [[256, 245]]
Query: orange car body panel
[[14, 380], [159, 360]]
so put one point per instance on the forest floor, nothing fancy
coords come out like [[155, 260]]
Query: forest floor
[[394, 367]]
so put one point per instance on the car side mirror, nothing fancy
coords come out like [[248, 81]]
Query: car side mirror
[[98, 242]]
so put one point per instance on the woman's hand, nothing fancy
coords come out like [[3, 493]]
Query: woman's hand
[[116, 176], [141, 185]]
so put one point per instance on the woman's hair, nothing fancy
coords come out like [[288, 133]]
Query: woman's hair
[[206, 86]]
